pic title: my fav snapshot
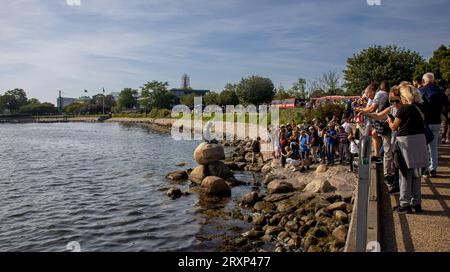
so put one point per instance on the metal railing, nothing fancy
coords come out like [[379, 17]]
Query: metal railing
[[363, 186]]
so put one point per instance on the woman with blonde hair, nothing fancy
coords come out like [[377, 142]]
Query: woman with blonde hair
[[390, 173], [410, 145]]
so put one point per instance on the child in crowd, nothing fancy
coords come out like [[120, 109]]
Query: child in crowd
[[331, 136]]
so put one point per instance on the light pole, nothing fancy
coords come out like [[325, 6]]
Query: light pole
[[103, 101]]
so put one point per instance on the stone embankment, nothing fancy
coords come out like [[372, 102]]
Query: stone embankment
[[307, 212]]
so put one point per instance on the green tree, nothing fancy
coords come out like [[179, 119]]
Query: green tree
[[255, 90], [36, 108], [188, 100], [12, 100], [298, 89], [439, 65], [127, 99], [162, 99], [282, 94], [379, 63], [155, 94], [228, 97], [211, 98], [77, 108]]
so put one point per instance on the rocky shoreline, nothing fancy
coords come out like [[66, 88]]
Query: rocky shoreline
[[294, 212]]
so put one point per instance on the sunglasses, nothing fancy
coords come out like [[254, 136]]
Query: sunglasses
[[394, 101]]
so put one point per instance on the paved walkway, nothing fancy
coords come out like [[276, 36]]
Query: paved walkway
[[426, 232]]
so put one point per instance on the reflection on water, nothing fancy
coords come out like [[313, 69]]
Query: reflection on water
[[100, 185]]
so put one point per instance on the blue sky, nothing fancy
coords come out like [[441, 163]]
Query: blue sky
[[48, 45]]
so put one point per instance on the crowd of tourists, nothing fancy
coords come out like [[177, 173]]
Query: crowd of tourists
[[404, 121]]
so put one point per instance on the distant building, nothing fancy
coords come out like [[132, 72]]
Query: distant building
[[185, 82], [186, 88], [182, 92], [62, 102]]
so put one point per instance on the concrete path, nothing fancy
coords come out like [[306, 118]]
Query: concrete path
[[426, 232]]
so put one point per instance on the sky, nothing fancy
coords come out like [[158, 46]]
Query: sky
[[51, 45]]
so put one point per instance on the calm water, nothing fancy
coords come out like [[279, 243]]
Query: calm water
[[100, 185]]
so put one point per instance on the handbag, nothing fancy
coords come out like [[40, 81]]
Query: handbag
[[399, 160]]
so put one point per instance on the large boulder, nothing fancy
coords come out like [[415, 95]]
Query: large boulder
[[342, 206], [250, 198], [208, 153], [215, 186], [177, 175], [219, 169], [198, 174], [279, 186], [340, 234], [319, 186], [322, 168]]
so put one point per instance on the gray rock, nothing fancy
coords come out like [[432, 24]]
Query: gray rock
[[273, 230], [263, 206], [341, 216], [198, 174], [346, 196], [291, 226], [278, 197], [267, 238], [340, 234], [309, 240], [253, 234], [258, 219], [177, 175], [286, 206], [208, 153], [283, 235], [266, 169], [174, 193], [219, 169], [342, 206], [279, 186], [283, 221], [215, 186], [250, 198], [322, 213], [319, 186], [322, 168], [275, 219]]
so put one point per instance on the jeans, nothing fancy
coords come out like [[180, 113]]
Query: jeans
[[433, 147], [388, 163], [410, 191], [330, 153], [343, 151]]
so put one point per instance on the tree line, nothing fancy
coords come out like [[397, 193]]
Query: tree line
[[377, 63]]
